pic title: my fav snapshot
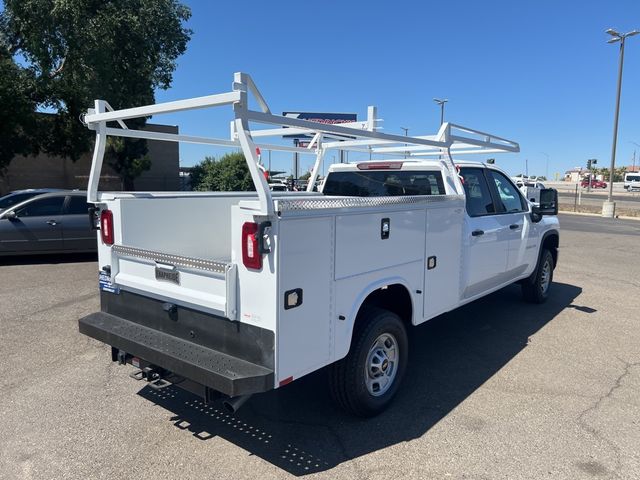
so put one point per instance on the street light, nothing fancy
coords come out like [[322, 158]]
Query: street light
[[406, 134], [546, 170], [441, 102], [634, 155], [609, 206]]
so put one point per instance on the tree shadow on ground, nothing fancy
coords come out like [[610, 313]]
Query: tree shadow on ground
[[299, 429]]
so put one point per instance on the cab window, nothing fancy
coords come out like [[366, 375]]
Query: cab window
[[509, 198], [476, 189]]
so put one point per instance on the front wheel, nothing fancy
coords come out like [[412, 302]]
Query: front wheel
[[366, 380], [535, 289]]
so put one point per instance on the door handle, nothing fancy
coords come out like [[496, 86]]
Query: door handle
[[477, 233], [52, 222], [515, 226]]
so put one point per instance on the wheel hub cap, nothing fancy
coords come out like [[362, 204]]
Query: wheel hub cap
[[382, 364], [545, 277]]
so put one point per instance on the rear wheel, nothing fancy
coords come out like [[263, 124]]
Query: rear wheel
[[366, 380], [536, 288]]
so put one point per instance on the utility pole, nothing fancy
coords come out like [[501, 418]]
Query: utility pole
[[609, 207], [634, 155], [296, 160], [546, 169]]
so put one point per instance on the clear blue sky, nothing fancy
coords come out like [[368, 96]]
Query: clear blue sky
[[540, 72]]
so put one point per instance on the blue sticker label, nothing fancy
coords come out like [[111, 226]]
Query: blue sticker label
[[104, 280]]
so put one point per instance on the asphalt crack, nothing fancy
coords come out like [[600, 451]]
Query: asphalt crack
[[582, 418]]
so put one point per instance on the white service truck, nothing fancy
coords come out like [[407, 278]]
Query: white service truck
[[235, 293]]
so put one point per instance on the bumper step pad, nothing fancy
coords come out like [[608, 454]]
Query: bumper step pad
[[224, 373]]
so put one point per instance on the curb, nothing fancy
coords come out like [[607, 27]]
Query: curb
[[619, 217]]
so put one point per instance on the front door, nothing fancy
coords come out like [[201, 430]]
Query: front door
[[36, 227], [517, 223]]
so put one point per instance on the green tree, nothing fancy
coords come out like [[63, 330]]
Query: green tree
[[618, 174], [305, 176], [226, 174], [116, 50], [16, 108]]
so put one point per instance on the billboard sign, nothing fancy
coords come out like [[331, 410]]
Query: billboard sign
[[326, 118]]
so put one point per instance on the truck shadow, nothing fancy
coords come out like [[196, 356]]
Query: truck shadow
[[49, 258], [298, 428]]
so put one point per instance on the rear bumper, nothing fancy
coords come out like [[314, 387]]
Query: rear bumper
[[225, 356]]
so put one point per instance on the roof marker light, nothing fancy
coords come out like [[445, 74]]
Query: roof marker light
[[380, 165]]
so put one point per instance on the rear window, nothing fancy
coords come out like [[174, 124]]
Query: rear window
[[382, 183], [78, 206]]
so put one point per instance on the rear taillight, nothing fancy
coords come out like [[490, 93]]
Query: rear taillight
[[106, 227], [251, 255]]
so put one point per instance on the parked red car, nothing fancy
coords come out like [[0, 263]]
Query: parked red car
[[594, 184]]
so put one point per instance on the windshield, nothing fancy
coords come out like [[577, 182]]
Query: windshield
[[380, 183], [14, 198]]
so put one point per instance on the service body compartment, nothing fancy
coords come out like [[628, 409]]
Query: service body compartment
[[363, 245], [305, 274]]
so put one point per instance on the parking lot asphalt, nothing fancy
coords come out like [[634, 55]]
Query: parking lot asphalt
[[498, 389]]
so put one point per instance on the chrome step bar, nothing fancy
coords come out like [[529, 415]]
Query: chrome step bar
[[171, 259]]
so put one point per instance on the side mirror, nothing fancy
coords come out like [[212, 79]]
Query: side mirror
[[548, 204], [549, 201], [10, 215]]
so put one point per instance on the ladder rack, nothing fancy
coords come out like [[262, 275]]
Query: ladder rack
[[360, 136]]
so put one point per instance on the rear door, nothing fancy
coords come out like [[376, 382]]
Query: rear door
[[485, 236], [36, 227], [76, 231]]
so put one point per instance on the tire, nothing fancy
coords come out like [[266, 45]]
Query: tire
[[535, 289], [366, 380]]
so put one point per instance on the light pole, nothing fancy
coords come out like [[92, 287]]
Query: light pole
[[406, 134], [546, 169], [609, 206], [441, 102], [634, 156]]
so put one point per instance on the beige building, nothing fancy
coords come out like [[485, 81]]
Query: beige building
[[575, 174], [44, 171]]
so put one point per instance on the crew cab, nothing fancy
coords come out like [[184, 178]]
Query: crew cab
[[229, 294]]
